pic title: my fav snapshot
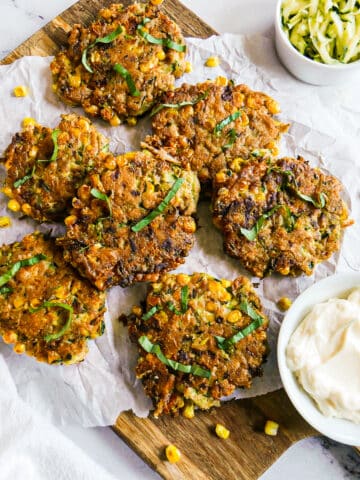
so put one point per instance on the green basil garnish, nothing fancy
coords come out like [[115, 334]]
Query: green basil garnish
[[258, 320], [172, 308], [54, 137], [232, 137], [66, 326], [150, 347], [5, 290], [165, 42], [150, 313], [184, 298], [226, 121], [24, 179], [160, 208], [27, 262], [307, 198], [108, 39], [252, 233], [101, 196], [178, 105], [128, 78]]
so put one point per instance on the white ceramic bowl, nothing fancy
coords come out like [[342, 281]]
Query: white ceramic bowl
[[334, 286], [306, 69]]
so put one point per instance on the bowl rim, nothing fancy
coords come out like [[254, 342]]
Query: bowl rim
[[300, 56], [341, 430]]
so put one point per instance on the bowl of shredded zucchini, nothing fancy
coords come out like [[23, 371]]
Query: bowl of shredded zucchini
[[318, 41]]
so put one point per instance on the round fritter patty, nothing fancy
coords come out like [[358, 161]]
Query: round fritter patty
[[46, 166], [146, 48], [216, 124], [279, 216], [46, 309], [104, 239], [199, 338]]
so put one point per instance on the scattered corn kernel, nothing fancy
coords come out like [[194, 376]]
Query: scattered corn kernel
[[221, 81], [21, 91], [271, 428], [188, 67], [132, 121], [26, 208], [13, 205], [221, 431], [115, 121], [5, 222], [284, 303], [273, 106], [212, 62], [7, 191], [188, 411], [161, 55], [19, 348], [172, 453], [27, 121]]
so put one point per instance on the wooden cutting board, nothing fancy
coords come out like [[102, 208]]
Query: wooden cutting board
[[248, 452]]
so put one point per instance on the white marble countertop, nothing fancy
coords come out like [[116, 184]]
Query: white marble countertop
[[312, 459]]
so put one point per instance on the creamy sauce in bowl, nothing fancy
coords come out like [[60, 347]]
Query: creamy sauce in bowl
[[324, 355]]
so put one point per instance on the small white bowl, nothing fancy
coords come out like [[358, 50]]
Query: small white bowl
[[306, 69], [334, 286]]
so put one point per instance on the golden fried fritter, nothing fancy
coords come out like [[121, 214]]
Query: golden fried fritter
[[131, 220], [118, 66], [199, 338], [46, 309], [280, 215], [215, 125], [45, 167]]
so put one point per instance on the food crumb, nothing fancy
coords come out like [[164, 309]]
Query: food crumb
[[172, 453], [284, 303], [5, 222], [21, 91], [221, 431], [212, 62], [271, 428]]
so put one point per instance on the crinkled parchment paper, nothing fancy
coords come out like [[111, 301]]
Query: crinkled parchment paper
[[325, 129]]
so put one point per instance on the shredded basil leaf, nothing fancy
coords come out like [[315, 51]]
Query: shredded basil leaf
[[232, 137], [128, 78], [105, 148], [252, 233], [150, 347], [27, 262], [178, 105], [101, 196], [24, 179], [54, 137], [172, 308], [165, 42], [160, 208], [258, 320], [307, 198], [66, 326], [226, 121], [150, 313], [108, 39], [184, 298], [5, 290]]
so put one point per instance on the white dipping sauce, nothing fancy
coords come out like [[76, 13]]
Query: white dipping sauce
[[324, 354]]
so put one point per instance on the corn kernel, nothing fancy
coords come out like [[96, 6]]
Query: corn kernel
[[273, 106], [244, 119], [19, 348], [70, 220], [275, 151], [212, 62], [234, 316], [13, 205], [61, 292], [189, 226], [188, 67], [219, 291], [35, 302], [225, 283], [115, 121], [221, 431], [132, 121], [250, 102], [84, 332], [110, 163], [188, 411], [27, 121], [18, 302], [21, 91], [221, 81], [284, 303], [136, 311], [183, 279], [221, 177], [92, 110], [211, 306], [5, 222], [161, 55], [75, 81], [10, 337], [7, 191], [156, 2], [130, 155], [172, 453], [26, 208], [271, 428]]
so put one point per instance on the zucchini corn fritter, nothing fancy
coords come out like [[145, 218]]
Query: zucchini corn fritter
[[46, 166], [131, 220], [199, 338], [279, 215], [118, 66], [215, 125], [46, 309]]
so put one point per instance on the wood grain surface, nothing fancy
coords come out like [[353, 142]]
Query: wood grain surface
[[248, 452]]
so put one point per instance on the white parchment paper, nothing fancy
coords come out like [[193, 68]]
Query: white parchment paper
[[325, 129]]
